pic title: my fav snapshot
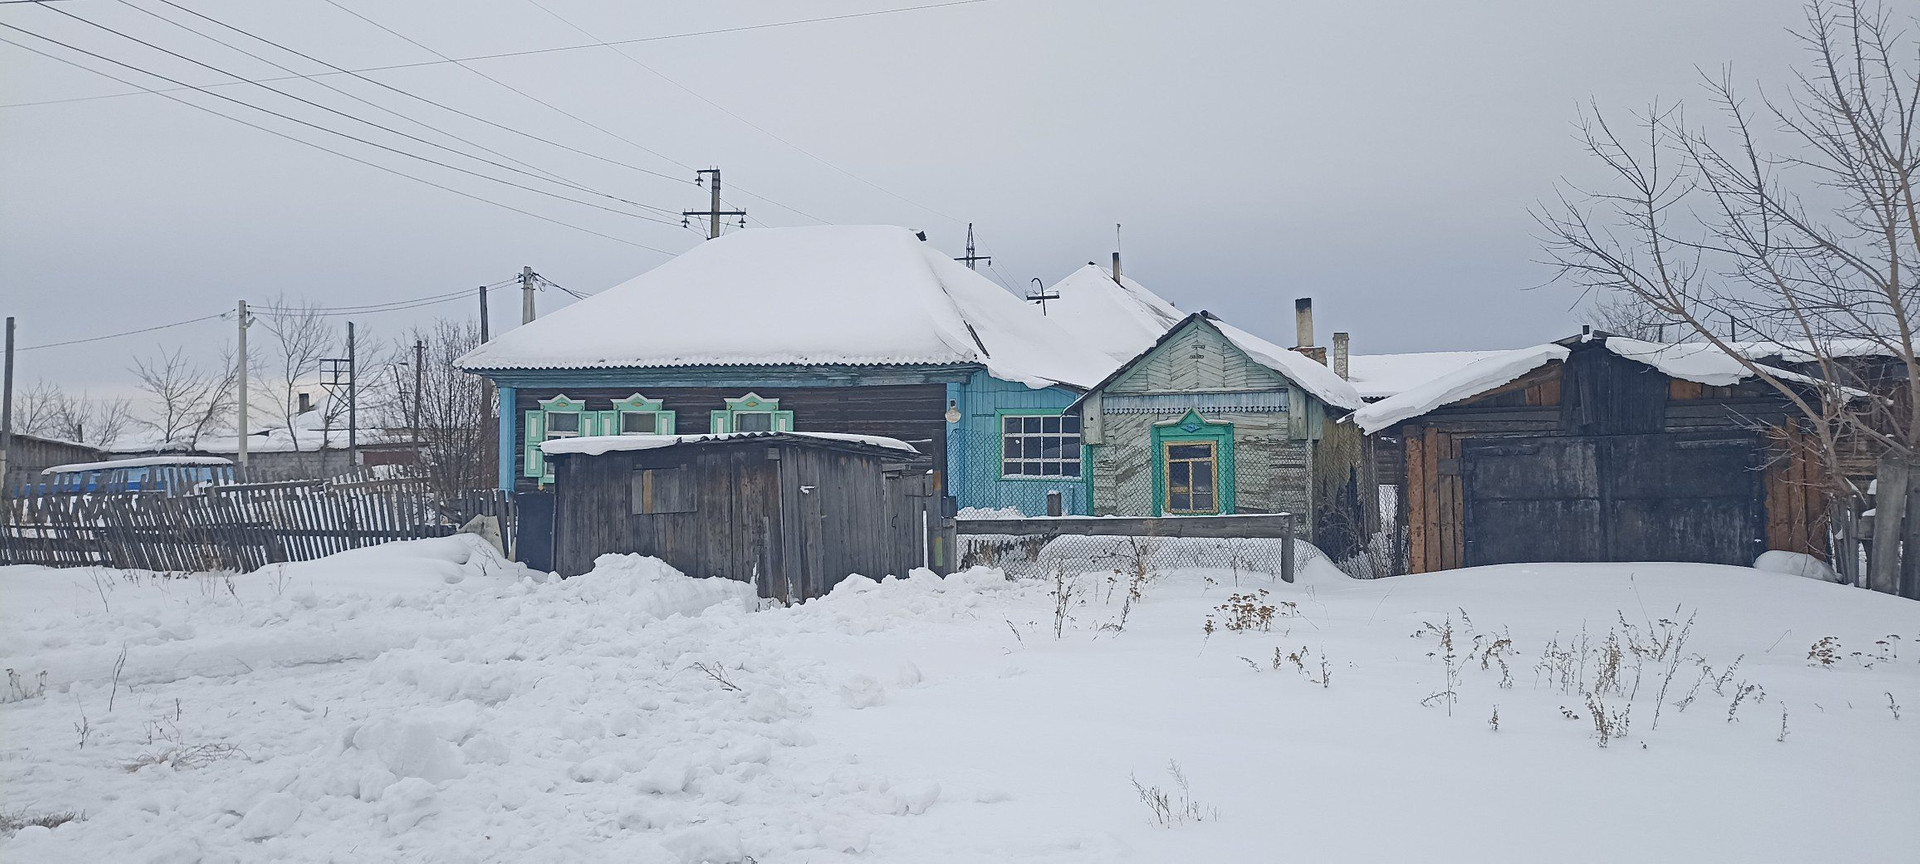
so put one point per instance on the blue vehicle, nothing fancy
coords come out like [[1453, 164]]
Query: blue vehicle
[[173, 475]]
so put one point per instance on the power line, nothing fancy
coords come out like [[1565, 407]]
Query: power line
[[126, 333], [535, 171], [533, 51], [550, 106], [332, 110], [275, 132], [326, 311]]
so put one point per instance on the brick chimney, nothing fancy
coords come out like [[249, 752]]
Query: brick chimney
[[1341, 351]]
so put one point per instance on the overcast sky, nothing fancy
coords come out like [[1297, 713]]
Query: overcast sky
[[1380, 157]]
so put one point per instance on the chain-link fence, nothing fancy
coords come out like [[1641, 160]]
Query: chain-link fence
[[1042, 555]]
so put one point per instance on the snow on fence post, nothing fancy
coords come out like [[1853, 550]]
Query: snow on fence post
[[1286, 548]]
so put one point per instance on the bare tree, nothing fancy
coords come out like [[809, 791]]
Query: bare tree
[[301, 335], [1624, 316], [1797, 221], [185, 399], [83, 419], [451, 415]]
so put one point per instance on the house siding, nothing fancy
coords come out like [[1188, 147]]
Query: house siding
[[973, 448], [1271, 472]]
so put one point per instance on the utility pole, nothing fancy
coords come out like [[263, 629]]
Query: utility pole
[[969, 258], [353, 388], [6, 410], [713, 211], [483, 314], [240, 410], [419, 379], [526, 295]]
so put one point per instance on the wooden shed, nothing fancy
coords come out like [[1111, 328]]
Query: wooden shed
[[1598, 448], [791, 512]]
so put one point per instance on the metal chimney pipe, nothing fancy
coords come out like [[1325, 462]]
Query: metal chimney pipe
[[1341, 347], [1303, 322], [1116, 267]]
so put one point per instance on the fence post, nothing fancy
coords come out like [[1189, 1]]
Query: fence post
[[1054, 507], [1286, 548]]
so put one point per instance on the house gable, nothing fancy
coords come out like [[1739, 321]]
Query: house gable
[[1196, 357]]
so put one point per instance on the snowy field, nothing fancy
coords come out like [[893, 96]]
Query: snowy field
[[426, 701]]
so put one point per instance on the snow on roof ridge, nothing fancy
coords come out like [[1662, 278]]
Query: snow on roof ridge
[[1119, 318], [595, 445], [139, 462], [1298, 367], [829, 295]]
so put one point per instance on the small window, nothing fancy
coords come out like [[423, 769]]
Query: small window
[[638, 423], [753, 421], [752, 413], [1039, 445], [563, 424], [1192, 478]]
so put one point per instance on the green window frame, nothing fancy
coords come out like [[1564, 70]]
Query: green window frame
[[1181, 449], [637, 415], [751, 413], [1039, 445], [540, 427]]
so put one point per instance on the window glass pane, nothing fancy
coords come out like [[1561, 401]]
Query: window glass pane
[[1030, 424], [1030, 469], [1203, 502], [1030, 448], [1179, 501], [1010, 448], [1190, 451], [1070, 424], [1202, 477], [1050, 469], [1050, 447], [1050, 425], [1009, 425], [1009, 468], [1070, 469], [752, 421], [563, 422], [637, 423], [1177, 474]]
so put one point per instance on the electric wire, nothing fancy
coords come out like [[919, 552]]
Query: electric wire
[[535, 170], [550, 106], [125, 333], [275, 132], [332, 131], [532, 51]]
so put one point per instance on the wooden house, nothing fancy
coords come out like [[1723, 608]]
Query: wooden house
[[844, 329], [1597, 448], [791, 512], [27, 455], [1211, 419]]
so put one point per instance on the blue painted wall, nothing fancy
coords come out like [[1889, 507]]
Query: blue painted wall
[[973, 447]]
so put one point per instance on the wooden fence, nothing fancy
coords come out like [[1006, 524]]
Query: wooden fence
[[239, 527], [1250, 541]]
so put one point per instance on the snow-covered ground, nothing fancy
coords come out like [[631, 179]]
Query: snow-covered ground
[[428, 702]]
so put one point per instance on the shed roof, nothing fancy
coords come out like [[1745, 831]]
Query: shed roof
[[1690, 361], [595, 445], [828, 295]]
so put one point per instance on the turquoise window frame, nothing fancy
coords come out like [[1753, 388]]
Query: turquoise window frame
[[615, 423], [534, 461], [1000, 442], [723, 421], [1191, 428]]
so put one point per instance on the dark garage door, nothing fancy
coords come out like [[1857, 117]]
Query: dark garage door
[[1613, 498]]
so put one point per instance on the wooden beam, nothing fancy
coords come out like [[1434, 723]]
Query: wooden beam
[[1263, 525]]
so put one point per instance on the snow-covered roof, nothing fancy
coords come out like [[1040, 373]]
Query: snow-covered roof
[[1378, 376], [142, 462], [1120, 318], [594, 445], [1302, 370], [1463, 382], [1700, 362], [829, 295]]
